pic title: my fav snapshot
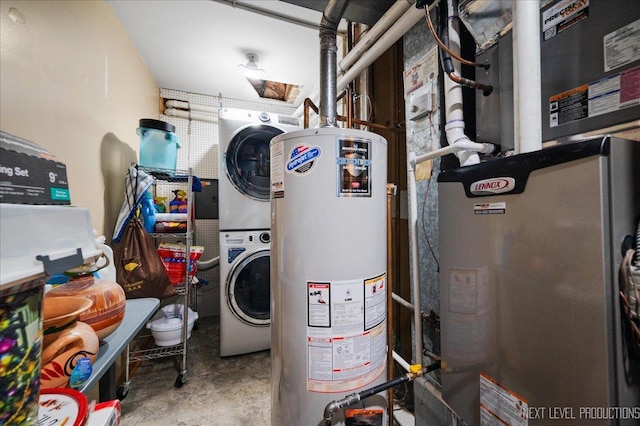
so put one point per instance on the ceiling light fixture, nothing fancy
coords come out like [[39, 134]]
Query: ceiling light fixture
[[251, 67]]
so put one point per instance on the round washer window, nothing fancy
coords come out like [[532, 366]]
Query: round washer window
[[248, 289], [247, 160]]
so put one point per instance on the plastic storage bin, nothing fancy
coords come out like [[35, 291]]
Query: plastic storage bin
[[166, 325], [158, 144], [61, 235]]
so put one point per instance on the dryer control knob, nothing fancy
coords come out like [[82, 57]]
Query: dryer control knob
[[264, 117], [265, 237]]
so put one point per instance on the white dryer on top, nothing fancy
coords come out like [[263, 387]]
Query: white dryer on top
[[245, 181]]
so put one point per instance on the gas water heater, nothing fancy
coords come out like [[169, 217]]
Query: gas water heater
[[328, 272]]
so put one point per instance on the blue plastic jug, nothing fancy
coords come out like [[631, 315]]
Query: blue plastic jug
[[148, 212]]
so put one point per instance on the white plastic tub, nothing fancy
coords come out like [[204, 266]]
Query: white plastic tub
[[166, 324]]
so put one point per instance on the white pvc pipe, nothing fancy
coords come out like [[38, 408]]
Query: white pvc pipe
[[527, 112], [408, 19], [190, 115], [188, 105], [453, 96], [401, 301], [412, 160], [371, 36], [404, 364], [415, 265], [465, 145]]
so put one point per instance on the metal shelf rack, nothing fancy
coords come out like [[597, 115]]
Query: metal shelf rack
[[189, 299]]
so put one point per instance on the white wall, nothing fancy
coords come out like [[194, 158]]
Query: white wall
[[72, 81]]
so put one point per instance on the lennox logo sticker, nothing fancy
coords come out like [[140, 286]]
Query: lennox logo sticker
[[493, 186]]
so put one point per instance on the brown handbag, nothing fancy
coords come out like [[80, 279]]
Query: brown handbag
[[139, 268]]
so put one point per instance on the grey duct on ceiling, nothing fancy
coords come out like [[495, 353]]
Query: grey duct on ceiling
[[362, 11], [328, 63]]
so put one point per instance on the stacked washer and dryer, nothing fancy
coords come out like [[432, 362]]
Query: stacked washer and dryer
[[244, 200]]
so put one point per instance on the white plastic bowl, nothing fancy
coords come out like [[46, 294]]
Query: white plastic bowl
[[166, 324]]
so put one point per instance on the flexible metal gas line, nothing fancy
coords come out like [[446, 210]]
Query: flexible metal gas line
[[204, 265], [416, 370]]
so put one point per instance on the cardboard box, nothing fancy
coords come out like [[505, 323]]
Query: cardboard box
[[29, 174]]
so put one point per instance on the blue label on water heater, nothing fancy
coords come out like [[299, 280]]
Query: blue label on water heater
[[302, 159]]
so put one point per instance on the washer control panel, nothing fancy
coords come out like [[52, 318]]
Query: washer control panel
[[240, 239]]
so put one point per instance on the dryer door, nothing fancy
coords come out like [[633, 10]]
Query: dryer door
[[248, 292], [247, 162]]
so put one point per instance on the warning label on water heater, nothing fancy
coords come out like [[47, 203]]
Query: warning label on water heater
[[277, 170], [346, 338]]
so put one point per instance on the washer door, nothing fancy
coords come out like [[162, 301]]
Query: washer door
[[248, 291], [247, 160]]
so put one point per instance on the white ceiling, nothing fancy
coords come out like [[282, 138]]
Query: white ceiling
[[196, 46]]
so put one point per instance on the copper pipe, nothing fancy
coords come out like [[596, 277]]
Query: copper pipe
[[444, 47], [308, 104], [486, 89], [349, 107], [391, 190], [370, 124]]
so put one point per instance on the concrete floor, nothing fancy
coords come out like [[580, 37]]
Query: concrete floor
[[228, 391]]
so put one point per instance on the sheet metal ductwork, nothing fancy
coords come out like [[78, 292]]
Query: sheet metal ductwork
[[328, 69]]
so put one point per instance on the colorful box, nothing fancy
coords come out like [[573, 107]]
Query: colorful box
[[29, 174]]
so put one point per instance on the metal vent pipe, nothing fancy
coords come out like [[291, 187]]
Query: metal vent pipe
[[328, 62]]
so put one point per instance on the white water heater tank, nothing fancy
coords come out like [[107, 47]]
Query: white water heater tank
[[328, 272]]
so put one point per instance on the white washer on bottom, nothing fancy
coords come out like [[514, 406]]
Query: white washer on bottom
[[245, 292]]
